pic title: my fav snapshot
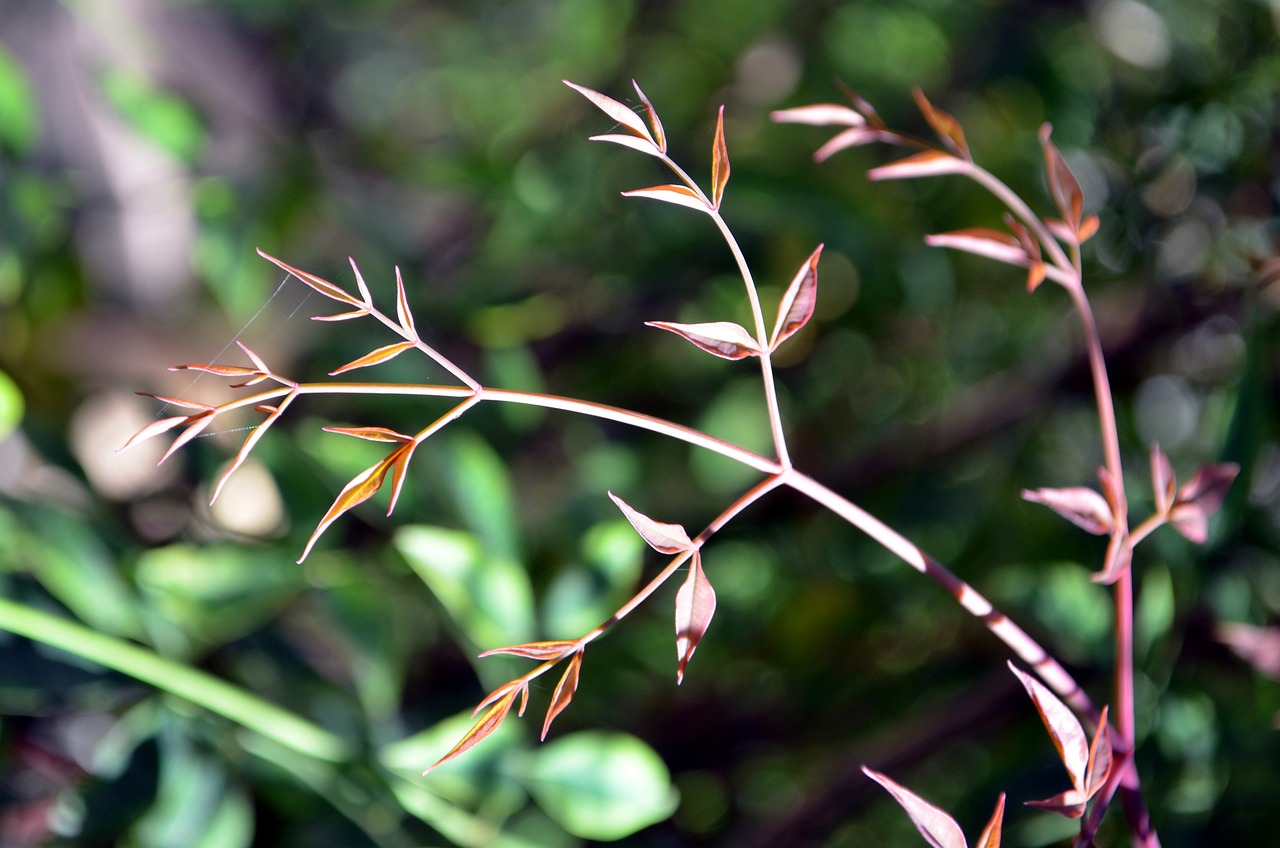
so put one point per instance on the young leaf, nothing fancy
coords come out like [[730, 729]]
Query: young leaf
[[373, 434], [798, 302], [535, 650], [927, 164], [1064, 728], [659, 136], [695, 604], [1163, 481], [361, 487], [199, 421], [402, 308], [982, 241], [641, 144], [488, 723], [722, 338], [820, 115], [937, 828], [564, 692], [615, 110], [1063, 186], [155, 428], [273, 413], [399, 467], [663, 538], [1118, 557], [677, 194], [991, 834], [719, 163], [946, 126], [1201, 498], [323, 286], [375, 357], [852, 137], [364, 289], [342, 316], [1100, 756], [1082, 506]]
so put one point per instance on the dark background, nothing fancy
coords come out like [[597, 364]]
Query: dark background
[[146, 149]]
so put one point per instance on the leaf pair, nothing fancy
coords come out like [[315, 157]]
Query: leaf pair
[[1188, 509], [1015, 247]]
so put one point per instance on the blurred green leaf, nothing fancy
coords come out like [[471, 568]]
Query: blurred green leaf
[[164, 119], [11, 405], [197, 806], [19, 120], [481, 487]]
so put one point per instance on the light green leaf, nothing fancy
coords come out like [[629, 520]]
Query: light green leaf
[[19, 121], [482, 490], [11, 405]]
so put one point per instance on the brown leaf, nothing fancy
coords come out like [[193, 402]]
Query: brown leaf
[[323, 286], [798, 302], [722, 338], [488, 723], [535, 650], [927, 164], [615, 110], [1082, 506], [399, 467], [946, 126], [375, 357], [564, 691], [659, 135], [938, 828], [695, 604], [719, 163], [991, 834], [1064, 728], [677, 194], [663, 538], [982, 241], [1063, 186]]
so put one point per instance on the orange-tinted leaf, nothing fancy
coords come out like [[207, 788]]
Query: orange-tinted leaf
[[820, 115], [615, 110], [253, 357], [488, 723], [257, 433], [663, 538], [341, 316], [1099, 757], [1082, 506], [511, 687], [323, 286], [402, 307], [535, 650], [659, 135], [1088, 228], [982, 241], [1064, 728], [1036, 276], [176, 401], [991, 834], [938, 828], [373, 434], [722, 338], [634, 142], [218, 370], [798, 302], [564, 691], [1163, 481], [361, 487], [695, 604], [1063, 186], [719, 163], [944, 124], [375, 357], [679, 195], [927, 164]]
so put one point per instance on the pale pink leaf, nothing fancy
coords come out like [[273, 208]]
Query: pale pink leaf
[[382, 354], [1200, 498], [927, 164], [1163, 481], [634, 142], [402, 308], [982, 241], [1099, 757], [564, 692], [218, 370], [360, 284], [852, 137], [663, 538], [155, 428], [252, 439], [798, 302], [991, 834], [1118, 558], [1070, 803], [1080, 505], [1064, 728], [695, 604], [722, 338], [820, 115], [615, 110], [535, 650], [677, 194], [937, 828], [1258, 646], [659, 135], [176, 401], [719, 163]]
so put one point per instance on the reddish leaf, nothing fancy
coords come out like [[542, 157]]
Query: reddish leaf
[[719, 163], [982, 241], [659, 135], [199, 422], [361, 487], [257, 433], [488, 723], [323, 286], [1080, 505], [382, 354], [1064, 728], [1036, 276], [1118, 557], [927, 164], [402, 308], [722, 338], [373, 434], [695, 604], [1163, 481], [519, 685], [679, 195], [663, 538], [219, 370], [991, 834], [937, 828], [1099, 757], [798, 302], [399, 466], [1201, 498], [615, 110], [1070, 804], [535, 650], [1063, 186], [946, 126], [155, 428], [564, 692]]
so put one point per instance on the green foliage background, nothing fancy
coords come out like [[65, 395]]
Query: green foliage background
[[147, 148]]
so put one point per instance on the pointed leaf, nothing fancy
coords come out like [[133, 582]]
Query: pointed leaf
[[1063, 186], [1036, 276], [615, 110], [946, 126], [1082, 506], [679, 195], [852, 137], [488, 723], [1163, 481], [199, 422], [155, 428], [663, 538], [798, 302], [361, 487], [635, 143], [991, 834], [820, 115], [256, 434], [695, 604], [176, 401], [1064, 728], [258, 362], [323, 286], [218, 370], [1088, 228], [373, 434], [719, 163], [1099, 757], [1118, 557], [360, 284], [722, 338], [927, 164], [1070, 803], [564, 692], [535, 650], [1201, 498], [982, 241], [399, 467], [342, 316], [937, 828], [402, 308], [375, 357], [659, 135]]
